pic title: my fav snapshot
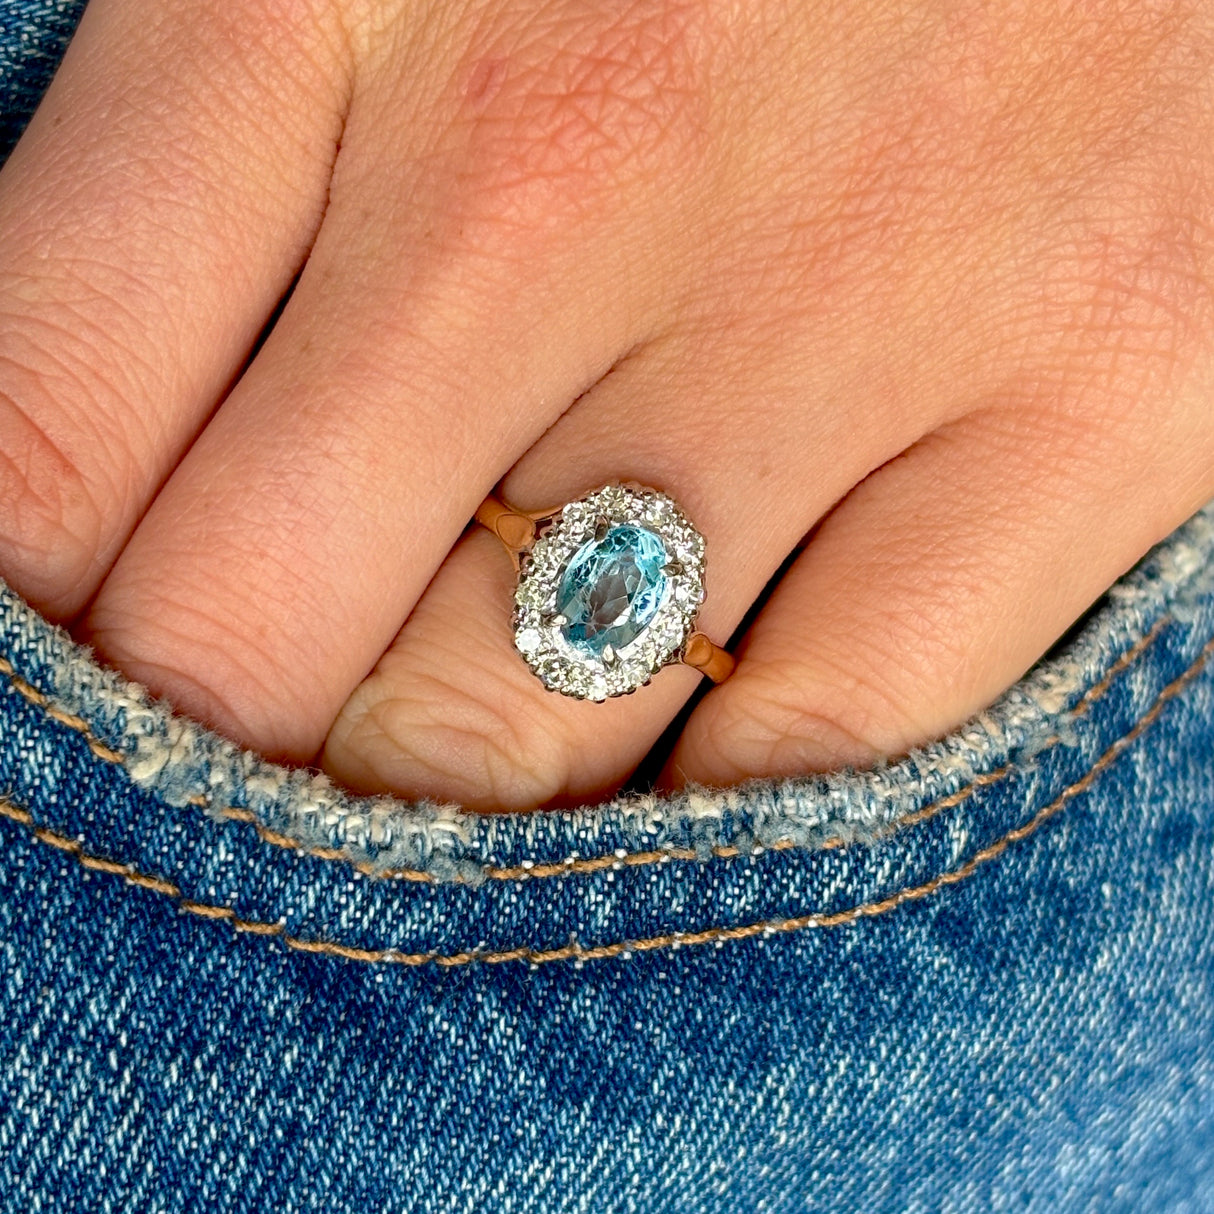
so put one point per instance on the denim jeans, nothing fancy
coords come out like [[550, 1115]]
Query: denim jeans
[[980, 978]]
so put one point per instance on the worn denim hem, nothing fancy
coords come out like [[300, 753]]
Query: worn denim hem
[[79, 814], [189, 768]]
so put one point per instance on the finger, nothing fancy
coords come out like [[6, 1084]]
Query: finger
[[156, 209], [493, 244], [933, 587], [453, 712]]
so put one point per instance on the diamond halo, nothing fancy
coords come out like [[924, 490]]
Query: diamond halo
[[539, 629]]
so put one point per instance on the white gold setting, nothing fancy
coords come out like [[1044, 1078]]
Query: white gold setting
[[538, 629]]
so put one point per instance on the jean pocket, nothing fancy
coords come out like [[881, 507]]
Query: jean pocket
[[118, 784], [978, 978]]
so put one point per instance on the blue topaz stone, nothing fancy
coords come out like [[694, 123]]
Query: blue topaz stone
[[611, 589], [609, 592]]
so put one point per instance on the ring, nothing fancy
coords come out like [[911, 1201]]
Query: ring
[[608, 592]]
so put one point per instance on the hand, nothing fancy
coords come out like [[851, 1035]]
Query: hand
[[931, 283]]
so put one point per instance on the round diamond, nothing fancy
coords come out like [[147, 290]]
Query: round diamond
[[528, 640]]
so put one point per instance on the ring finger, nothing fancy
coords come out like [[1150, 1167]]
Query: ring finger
[[452, 712]]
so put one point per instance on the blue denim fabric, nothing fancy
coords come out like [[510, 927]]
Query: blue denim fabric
[[33, 34], [978, 979]]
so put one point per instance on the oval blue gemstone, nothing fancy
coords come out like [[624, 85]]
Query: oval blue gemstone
[[611, 588]]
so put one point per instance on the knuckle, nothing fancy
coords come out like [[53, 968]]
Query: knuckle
[[181, 645], [1126, 291], [1126, 313], [1089, 154], [850, 705], [419, 734], [581, 103], [786, 718], [1131, 222], [52, 524], [257, 38], [73, 453]]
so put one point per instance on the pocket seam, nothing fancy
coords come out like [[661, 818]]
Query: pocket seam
[[580, 953], [529, 870]]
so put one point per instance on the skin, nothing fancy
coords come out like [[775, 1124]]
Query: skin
[[922, 292]]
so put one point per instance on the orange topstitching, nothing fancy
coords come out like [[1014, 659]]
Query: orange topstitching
[[578, 952], [531, 870]]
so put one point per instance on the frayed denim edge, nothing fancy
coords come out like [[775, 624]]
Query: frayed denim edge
[[185, 765]]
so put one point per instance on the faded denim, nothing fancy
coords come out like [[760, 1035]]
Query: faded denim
[[978, 979]]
